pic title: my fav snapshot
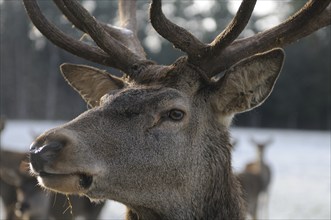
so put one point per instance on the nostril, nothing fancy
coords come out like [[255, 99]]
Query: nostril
[[53, 146], [50, 150], [43, 154], [33, 146]]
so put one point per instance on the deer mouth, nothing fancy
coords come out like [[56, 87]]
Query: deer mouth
[[72, 183]]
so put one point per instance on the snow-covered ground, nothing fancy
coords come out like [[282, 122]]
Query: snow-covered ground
[[300, 162]]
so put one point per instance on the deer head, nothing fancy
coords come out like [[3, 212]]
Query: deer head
[[261, 146], [157, 139]]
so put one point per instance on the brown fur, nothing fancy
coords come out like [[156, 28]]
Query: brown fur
[[134, 153]]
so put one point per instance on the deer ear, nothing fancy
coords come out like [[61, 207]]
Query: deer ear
[[248, 83], [91, 83]]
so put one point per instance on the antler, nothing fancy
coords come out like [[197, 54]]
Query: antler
[[181, 38], [224, 51], [118, 47], [312, 16], [185, 41]]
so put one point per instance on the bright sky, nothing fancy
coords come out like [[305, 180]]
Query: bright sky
[[261, 8]]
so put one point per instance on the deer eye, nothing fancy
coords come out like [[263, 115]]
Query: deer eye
[[176, 114]]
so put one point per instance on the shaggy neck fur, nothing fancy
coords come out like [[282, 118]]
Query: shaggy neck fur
[[217, 196]]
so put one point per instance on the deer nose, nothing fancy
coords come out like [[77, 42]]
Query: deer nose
[[41, 154]]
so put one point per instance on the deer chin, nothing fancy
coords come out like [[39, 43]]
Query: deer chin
[[74, 183]]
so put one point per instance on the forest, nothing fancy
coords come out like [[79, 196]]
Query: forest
[[32, 87]]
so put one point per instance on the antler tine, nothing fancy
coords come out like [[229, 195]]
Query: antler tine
[[123, 35], [127, 13], [313, 16], [128, 19], [124, 57], [112, 53], [56, 36], [233, 30], [188, 43], [180, 37]]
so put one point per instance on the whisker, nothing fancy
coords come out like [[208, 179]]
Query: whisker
[[69, 206]]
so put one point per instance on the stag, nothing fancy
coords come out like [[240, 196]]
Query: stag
[[157, 139]]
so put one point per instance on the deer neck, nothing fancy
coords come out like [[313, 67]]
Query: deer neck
[[223, 195], [215, 193], [260, 159]]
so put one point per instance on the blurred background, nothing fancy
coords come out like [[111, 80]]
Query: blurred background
[[32, 88], [297, 115]]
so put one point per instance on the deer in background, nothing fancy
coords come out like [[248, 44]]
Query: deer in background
[[157, 138], [21, 196], [2, 124], [13, 175], [7, 191], [23, 199], [255, 180]]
